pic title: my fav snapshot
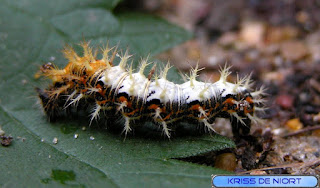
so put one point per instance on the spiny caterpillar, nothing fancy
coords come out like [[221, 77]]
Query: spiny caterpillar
[[116, 92]]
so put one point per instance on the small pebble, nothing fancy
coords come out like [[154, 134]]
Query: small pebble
[[274, 77], [226, 161], [316, 118], [258, 172], [294, 124], [55, 140], [6, 140], [280, 34], [24, 81], [285, 101], [252, 32], [278, 131], [293, 50]]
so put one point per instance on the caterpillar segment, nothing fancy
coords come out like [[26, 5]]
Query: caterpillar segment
[[103, 89]]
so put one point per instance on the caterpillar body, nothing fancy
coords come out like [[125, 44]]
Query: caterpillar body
[[101, 88]]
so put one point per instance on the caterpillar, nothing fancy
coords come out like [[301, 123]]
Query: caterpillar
[[100, 88]]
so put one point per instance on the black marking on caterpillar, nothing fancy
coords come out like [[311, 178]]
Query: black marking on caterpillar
[[116, 91]]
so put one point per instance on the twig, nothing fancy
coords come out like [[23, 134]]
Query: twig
[[274, 167], [310, 128], [313, 163]]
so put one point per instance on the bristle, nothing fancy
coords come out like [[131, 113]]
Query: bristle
[[114, 53], [234, 114], [105, 55], [130, 71], [121, 106], [70, 97], [165, 129], [208, 125], [259, 101], [255, 119], [238, 84], [70, 54], [152, 72], [87, 51], [224, 73], [260, 92], [144, 63], [58, 91], [261, 109], [124, 59], [248, 83], [202, 112], [95, 113], [127, 127], [75, 101], [165, 71], [194, 74]]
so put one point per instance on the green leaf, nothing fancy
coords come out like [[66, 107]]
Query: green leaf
[[33, 32]]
